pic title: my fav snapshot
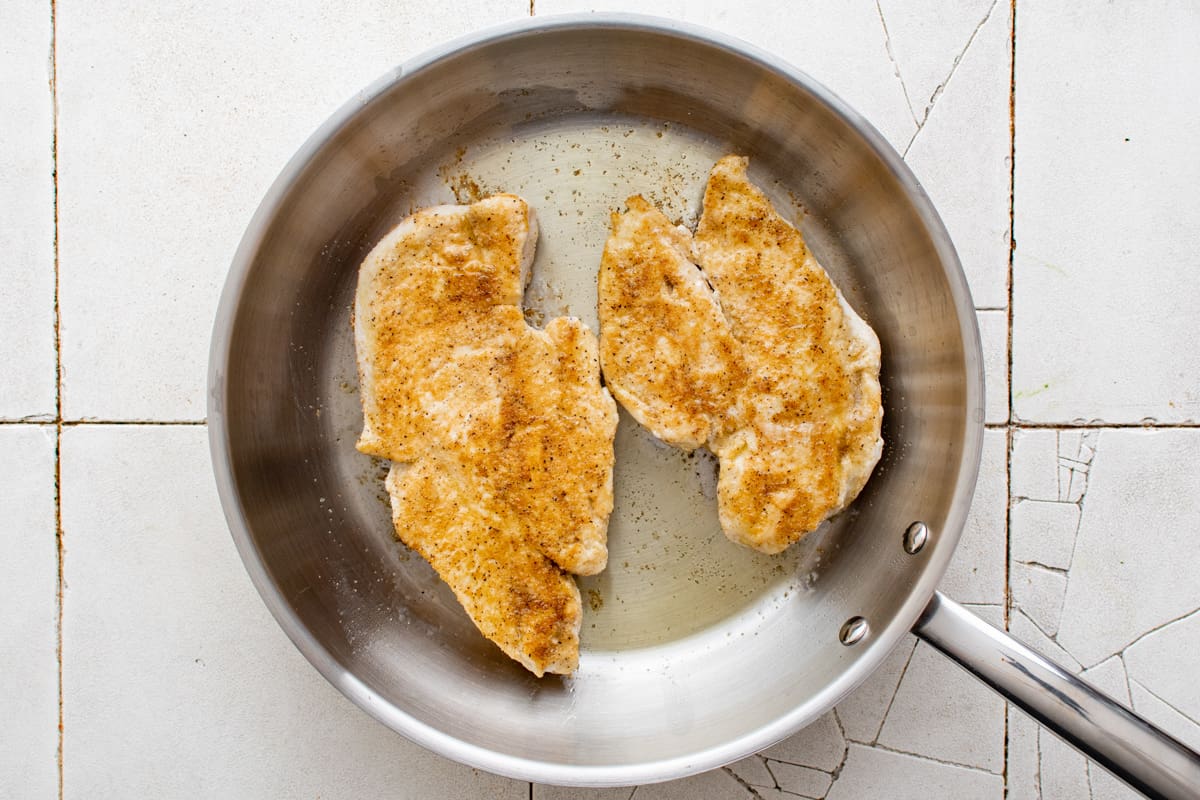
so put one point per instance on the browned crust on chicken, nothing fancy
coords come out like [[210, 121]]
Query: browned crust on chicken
[[765, 362], [501, 433]]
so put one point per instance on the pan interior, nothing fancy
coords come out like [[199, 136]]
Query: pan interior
[[690, 644]]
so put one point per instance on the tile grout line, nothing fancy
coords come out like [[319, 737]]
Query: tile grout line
[[1101, 425], [58, 383], [1009, 433]]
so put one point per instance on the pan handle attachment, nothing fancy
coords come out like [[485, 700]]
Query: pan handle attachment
[[1128, 746]]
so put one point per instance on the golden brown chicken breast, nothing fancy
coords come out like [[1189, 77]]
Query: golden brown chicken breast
[[501, 435], [737, 339]]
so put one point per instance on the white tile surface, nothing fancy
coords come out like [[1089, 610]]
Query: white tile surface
[[176, 681], [976, 573], [1105, 318], [1135, 541], [28, 591], [862, 714], [1105, 787], [1121, 598], [821, 746], [1043, 532], [1021, 626], [870, 772], [942, 713], [1035, 464], [754, 771], [1153, 663], [927, 42], [968, 183], [174, 120], [1063, 769], [1040, 593], [27, 379], [1023, 759], [717, 783], [993, 332], [1165, 715], [1109, 677], [803, 781]]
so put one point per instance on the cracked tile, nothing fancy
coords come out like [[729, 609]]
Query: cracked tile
[[1042, 766], [871, 772], [189, 670], [801, 780], [1165, 715], [1043, 532], [777, 794], [863, 712], [1023, 763], [845, 51], [28, 638], [969, 185], [1039, 592], [820, 746], [927, 41], [1023, 628], [1126, 588], [27, 211], [1076, 451], [1109, 677], [1063, 769], [1104, 133], [1154, 662], [166, 147], [993, 331], [944, 713], [1105, 787], [976, 573], [717, 783], [753, 770], [1035, 464], [1134, 541]]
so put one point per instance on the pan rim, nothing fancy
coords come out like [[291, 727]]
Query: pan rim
[[882, 641]]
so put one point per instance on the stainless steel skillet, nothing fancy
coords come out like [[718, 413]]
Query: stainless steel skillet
[[695, 652]]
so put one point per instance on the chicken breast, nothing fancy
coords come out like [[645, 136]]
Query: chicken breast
[[501, 435], [737, 339]]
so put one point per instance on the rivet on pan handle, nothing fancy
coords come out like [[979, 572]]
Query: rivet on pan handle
[[1119, 740]]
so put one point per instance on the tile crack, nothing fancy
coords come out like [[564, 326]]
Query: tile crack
[[934, 759], [895, 692], [837, 771], [887, 44], [1043, 632], [1045, 567], [1162, 700], [941, 87], [1155, 629], [741, 782]]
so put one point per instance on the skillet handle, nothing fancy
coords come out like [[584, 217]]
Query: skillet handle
[[1128, 746]]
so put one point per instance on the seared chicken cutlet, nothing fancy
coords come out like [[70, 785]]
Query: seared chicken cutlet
[[501, 435], [737, 339]]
